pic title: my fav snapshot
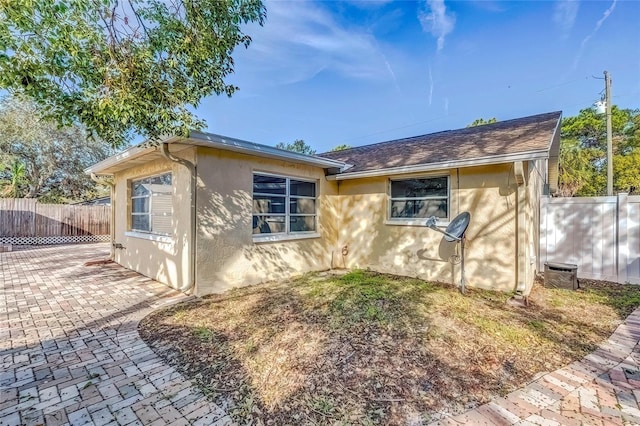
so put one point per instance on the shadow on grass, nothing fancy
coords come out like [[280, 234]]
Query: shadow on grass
[[367, 348], [596, 308], [624, 298]]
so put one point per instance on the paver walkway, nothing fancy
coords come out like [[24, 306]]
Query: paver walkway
[[70, 352], [601, 389]]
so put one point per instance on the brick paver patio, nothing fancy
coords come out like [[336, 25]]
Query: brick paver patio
[[601, 389], [70, 352]]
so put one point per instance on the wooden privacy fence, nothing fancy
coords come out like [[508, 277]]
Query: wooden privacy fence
[[599, 234], [25, 221]]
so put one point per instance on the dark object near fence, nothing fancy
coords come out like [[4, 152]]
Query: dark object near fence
[[561, 275]]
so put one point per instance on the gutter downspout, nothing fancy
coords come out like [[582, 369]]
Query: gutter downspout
[[164, 150], [521, 279], [112, 224]]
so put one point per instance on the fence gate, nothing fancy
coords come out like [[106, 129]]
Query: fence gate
[[599, 234]]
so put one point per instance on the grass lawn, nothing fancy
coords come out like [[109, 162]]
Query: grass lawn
[[370, 348]]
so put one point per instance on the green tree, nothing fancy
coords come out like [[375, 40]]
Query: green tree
[[122, 68], [341, 147], [583, 150], [481, 121], [579, 173], [626, 172], [299, 145], [12, 188], [53, 159]]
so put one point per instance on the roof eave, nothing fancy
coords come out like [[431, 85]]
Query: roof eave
[[553, 167], [251, 148], [101, 168], [214, 141], [418, 168]]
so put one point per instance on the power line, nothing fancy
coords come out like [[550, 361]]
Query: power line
[[397, 128], [453, 115], [562, 84]]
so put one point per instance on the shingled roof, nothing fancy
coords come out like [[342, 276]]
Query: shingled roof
[[527, 137]]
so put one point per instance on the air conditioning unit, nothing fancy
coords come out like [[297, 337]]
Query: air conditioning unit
[[561, 275]]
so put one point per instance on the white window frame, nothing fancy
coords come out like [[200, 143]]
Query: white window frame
[[418, 221], [141, 233], [287, 234]]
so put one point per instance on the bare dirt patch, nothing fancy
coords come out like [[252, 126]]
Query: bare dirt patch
[[370, 348]]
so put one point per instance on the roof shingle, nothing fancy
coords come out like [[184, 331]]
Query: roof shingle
[[521, 135]]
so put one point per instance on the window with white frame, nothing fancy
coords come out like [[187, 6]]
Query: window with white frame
[[152, 204], [283, 205], [419, 198]]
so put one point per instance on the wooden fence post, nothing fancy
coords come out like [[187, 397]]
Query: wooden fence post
[[36, 219], [24, 221], [34, 216]]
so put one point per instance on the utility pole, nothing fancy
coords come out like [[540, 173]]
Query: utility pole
[[607, 87]]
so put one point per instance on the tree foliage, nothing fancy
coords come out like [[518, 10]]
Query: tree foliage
[[341, 147], [12, 186], [122, 67], [299, 146], [583, 152], [45, 161], [482, 121]]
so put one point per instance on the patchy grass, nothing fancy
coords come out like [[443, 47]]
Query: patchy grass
[[370, 348]]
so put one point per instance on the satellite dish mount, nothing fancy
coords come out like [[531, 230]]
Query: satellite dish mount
[[456, 231]]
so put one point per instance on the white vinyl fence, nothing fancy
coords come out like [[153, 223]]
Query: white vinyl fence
[[599, 234]]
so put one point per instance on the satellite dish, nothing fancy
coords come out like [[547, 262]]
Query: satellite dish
[[457, 227], [455, 232]]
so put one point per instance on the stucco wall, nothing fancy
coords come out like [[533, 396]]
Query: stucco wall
[[487, 192], [351, 213], [167, 262], [227, 256]]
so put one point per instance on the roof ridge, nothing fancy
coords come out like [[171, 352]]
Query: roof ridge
[[482, 127], [501, 140]]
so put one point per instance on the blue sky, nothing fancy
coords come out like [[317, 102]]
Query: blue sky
[[355, 73]]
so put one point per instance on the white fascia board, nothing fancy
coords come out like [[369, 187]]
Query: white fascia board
[[509, 158], [553, 166], [554, 142], [215, 141], [252, 148], [128, 154]]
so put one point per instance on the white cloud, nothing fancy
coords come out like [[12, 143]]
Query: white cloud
[[564, 14], [393, 76], [437, 21], [604, 17], [301, 39]]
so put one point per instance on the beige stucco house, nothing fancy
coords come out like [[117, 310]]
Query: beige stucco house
[[208, 213]]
